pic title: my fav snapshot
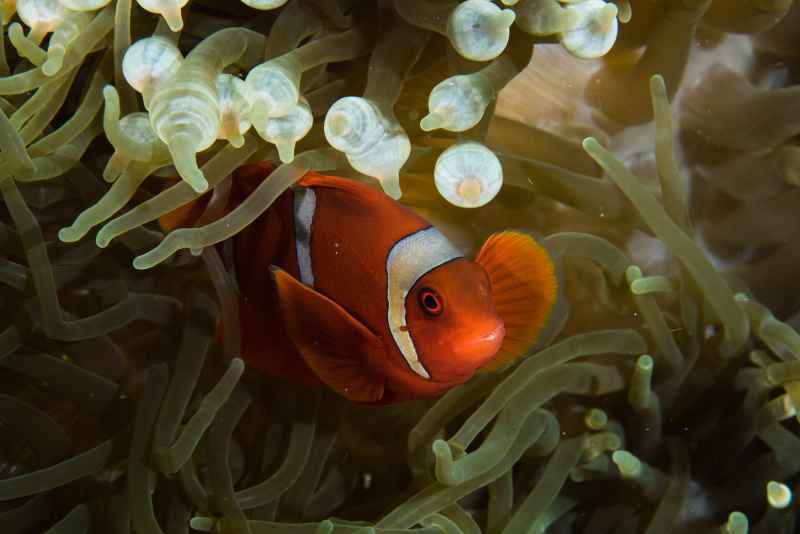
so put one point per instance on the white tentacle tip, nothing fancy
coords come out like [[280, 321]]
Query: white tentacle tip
[[170, 10], [391, 186], [595, 31], [149, 62], [264, 5], [479, 30], [432, 121], [235, 104], [84, 5], [458, 103], [468, 175], [69, 234], [284, 132], [196, 180]]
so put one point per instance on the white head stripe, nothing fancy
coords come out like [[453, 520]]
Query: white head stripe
[[409, 260], [305, 204]]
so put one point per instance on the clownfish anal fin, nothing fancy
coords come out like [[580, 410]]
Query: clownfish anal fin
[[524, 290], [335, 345]]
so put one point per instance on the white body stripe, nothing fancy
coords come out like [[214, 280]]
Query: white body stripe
[[409, 260], [305, 204]]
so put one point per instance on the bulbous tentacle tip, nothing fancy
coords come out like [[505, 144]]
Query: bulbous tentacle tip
[[607, 17], [441, 449], [25, 46], [432, 121], [102, 239], [54, 62], [658, 88], [778, 495], [110, 94], [203, 524], [184, 156], [232, 133], [468, 175], [140, 264], [111, 108], [285, 151], [391, 186], [115, 167], [236, 140], [196, 180], [590, 143], [69, 234], [150, 62], [338, 124], [510, 2], [628, 464], [595, 32], [84, 5], [505, 19], [447, 472], [173, 18], [479, 30], [737, 523], [284, 132], [264, 5]]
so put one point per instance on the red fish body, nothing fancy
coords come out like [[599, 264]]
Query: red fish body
[[343, 286]]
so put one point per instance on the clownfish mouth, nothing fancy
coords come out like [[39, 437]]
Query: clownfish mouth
[[476, 350], [495, 337]]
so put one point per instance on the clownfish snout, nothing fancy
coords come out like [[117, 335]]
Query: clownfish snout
[[481, 345]]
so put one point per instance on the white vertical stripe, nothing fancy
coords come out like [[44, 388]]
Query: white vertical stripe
[[305, 204], [409, 260]]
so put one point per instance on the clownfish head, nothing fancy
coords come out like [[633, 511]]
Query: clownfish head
[[452, 320], [457, 316]]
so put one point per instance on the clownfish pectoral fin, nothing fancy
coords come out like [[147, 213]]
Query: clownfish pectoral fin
[[524, 290], [336, 346]]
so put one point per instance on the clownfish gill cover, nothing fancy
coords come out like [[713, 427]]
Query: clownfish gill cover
[[399, 266]]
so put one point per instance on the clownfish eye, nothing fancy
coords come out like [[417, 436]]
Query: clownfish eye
[[431, 302]]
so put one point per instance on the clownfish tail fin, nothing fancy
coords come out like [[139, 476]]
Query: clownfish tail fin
[[525, 290]]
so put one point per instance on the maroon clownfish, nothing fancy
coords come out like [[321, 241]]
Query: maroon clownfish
[[342, 286]]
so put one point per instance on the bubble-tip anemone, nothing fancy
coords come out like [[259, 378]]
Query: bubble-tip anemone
[[84, 5], [169, 9], [264, 5], [479, 30], [235, 103], [274, 88], [284, 132], [595, 30], [374, 144], [149, 62], [457, 103], [41, 16], [468, 175]]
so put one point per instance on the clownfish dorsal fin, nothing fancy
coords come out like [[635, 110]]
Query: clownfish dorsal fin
[[524, 290], [335, 345]]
